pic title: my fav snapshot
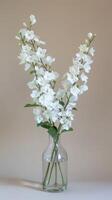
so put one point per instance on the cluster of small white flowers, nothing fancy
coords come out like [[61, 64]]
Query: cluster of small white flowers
[[34, 58], [75, 83], [43, 95], [55, 107]]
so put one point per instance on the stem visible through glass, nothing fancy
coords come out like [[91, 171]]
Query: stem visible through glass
[[53, 164], [48, 167]]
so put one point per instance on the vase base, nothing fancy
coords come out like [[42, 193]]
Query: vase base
[[54, 188]]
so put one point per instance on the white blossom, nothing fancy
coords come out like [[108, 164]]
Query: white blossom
[[38, 115], [60, 93], [17, 37], [66, 119], [75, 91], [41, 81], [87, 67], [84, 77], [50, 76], [32, 84], [83, 88], [51, 115], [84, 48], [22, 32], [75, 69], [29, 35], [34, 94], [92, 51], [49, 60], [38, 41], [32, 19], [24, 24], [40, 71], [90, 35], [46, 99], [41, 53], [27, 66]]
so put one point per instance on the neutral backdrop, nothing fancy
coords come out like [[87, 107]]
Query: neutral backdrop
[[63, 24]]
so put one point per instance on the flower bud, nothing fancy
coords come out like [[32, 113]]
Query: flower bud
[[90, 36]]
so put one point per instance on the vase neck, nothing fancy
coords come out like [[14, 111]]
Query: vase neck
[[52, 141]]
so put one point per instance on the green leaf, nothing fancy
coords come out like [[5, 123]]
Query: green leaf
[[62, 103], [31, 105], [70, 129], [46, 125], [53, 131]]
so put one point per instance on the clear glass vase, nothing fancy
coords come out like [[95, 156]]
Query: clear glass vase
[[54, 164]]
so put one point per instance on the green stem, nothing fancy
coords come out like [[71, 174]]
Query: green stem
[[55, 173], [61, 173], [54, 163], [52, 166]]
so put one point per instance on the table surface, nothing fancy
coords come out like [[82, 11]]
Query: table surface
[[24, 190]]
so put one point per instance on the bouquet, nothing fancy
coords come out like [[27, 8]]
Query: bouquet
[[54, 109]]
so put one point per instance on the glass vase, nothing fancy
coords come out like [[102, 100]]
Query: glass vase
[[54, 164]]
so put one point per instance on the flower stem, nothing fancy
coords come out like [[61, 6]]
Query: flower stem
[[54, 163], [52, 166], [63, 182], [48, 167], [55, 173]]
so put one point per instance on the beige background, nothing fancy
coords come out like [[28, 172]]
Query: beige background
[[63, 24]]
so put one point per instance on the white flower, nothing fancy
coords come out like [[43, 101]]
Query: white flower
[[90, 35], [50, 76], [17, 37], [72, 78], [25, 54], [27, 66], [76, 65], [49, 60], [46, 99], [87, 67], [66, 85], [84, 77], [47, 90], [75, 91], [35, 94], [29, 35], [41, 81], [66, 123], [32, 19], [41, 53], [24, 24], [69, 114], [40, 71], [92, 51], [32, 84], [56, 106], [84, 48], [51, 115], [71, 105], [26, 48], [74, 70], [38, 42], [81, 57], [22, 32], [60, 93], [83, 88], [38, 115]]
